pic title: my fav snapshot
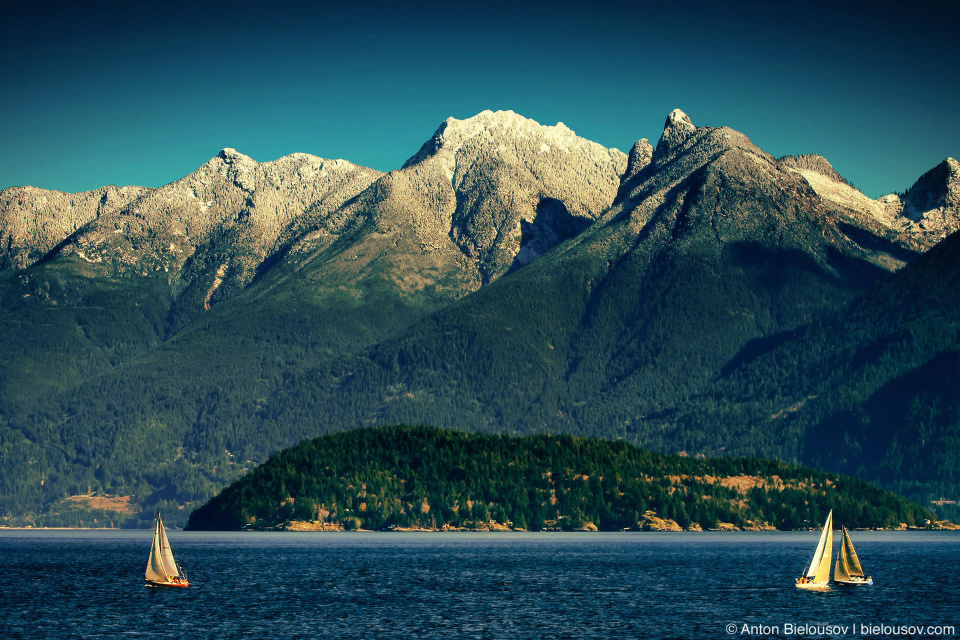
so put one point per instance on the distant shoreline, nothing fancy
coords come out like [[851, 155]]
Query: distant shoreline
[[68, 529], [456, 531]]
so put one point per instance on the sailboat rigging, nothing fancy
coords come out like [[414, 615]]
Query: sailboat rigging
[[817, 575], [848, 570], [162, 570]]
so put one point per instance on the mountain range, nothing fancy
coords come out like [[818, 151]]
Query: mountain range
[[698, 296]]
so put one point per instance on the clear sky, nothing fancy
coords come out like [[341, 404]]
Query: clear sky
[[97, 93]]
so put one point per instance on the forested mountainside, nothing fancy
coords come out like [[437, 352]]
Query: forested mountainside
[[870, 390], [509, 278]]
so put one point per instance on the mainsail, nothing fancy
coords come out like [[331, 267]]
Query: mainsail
[[166, 553], [819, 571], [847, 563]]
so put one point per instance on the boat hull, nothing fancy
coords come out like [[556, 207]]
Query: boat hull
[[813, 586], [175, 583], [853, 582]]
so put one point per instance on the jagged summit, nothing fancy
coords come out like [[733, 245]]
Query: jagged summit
[[930, 209], [487, 125], [639, 157], [679, 121], [682, 138], [909, 223], [676, 129], [710, 196], [504, 138], [231, 155], [33, 221], [485, 195], [937, 188], [487, 119]]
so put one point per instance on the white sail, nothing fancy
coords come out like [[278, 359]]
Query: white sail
[[823, 552], [156, 572], [823, 572], [166, 554]]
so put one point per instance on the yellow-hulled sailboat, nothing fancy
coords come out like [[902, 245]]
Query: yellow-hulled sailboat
[[848, 570], [162, 570], [817, 575]]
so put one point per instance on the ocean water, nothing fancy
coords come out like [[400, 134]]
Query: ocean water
[[89, 584]]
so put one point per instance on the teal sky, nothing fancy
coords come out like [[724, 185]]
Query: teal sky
[[103, 93]]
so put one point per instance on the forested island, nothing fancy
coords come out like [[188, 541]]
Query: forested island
[[415, 477]]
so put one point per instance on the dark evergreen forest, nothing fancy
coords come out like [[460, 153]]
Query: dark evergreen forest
[[385, 478]]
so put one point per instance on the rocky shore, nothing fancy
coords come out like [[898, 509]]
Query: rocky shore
[[650, 521]]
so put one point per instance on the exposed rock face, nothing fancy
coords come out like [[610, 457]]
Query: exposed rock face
[[813, 163], [640, 156], [834, 190], [676, 129], [707, 191], [33, 221], [905, 227], [931, 207], [651, 522], [207, 232], [518, 188], [482, 196]]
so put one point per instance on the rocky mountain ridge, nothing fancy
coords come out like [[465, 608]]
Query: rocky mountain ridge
[[709, 246], [205, 235], [913, 221], [712, 205], [482, 196], [509, 277], [34, 221]]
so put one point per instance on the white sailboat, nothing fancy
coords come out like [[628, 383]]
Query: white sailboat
[[162, 570], [817, 575], [848, 570]]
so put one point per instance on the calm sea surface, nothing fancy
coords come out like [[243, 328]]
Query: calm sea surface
[[89, 584]]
